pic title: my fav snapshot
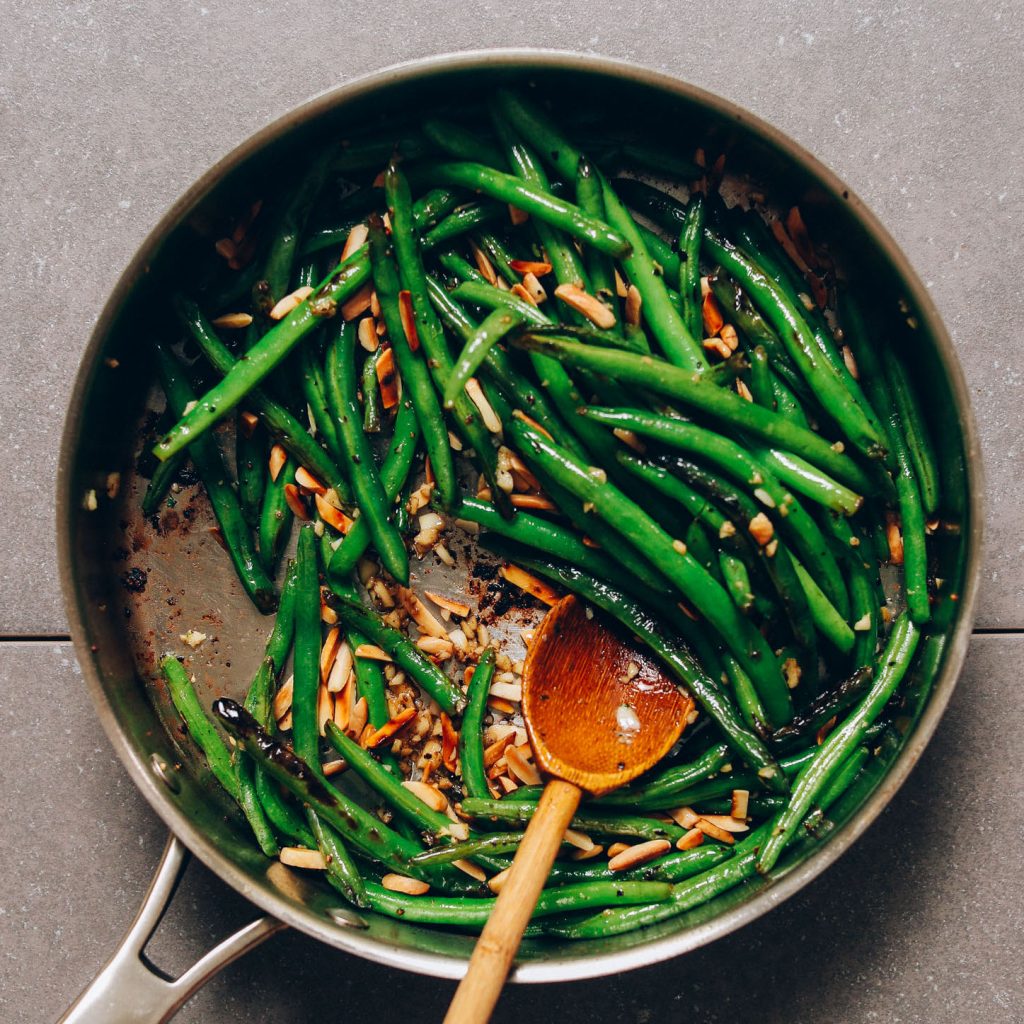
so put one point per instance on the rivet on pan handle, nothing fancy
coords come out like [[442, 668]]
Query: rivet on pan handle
[[130, 990]]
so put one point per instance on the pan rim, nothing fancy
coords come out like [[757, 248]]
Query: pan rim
[[562, 968]]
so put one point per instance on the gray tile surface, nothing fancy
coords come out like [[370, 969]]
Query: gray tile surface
[[919, 922], [111, 110]]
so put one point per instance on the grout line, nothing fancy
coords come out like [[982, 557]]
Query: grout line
[[36, 638], [997, 631]]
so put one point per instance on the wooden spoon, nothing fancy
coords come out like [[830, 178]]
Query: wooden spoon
[[599, 712]]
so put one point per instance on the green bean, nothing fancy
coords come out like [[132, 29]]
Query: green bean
[[685, 896], [486, 295], [668, 782], [247, 373], [471, 752], [828, 621], [689, 265], [473, 913], [406, 655], [466, 418], [738, 463], [589, 819], [460, 221], [493, 247], [595, 336], [276, 517], [492, 843], [489, 333], [662, 315], [412, 366], [843, 740], [364, 829], [280, 423], [459, 142], [799, 340], [370, 154], [160, 482], [371, 392], [250, 460], [377, 777], [537, 202], [364, 479], [342, 872], [460, 269], [314, 389], [809, 481], [393, 474], [679, 661], [206, 458], [600, 270], [673, 867], [717, 403], [200, 728], [816, 823]]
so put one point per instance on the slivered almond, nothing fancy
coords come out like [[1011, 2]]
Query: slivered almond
[[692, 839], [247, 423], [639, 854], [521, 768], [634, 302], [387, 378], [621, 288], [538, 502], [496, 750], [730, 337], [510, 691], [483, 264], [356, 237], [308, 482], [761, 529], [337, 675], [713, 319], [517, 216], [743, 391], [487, 413], [283, 699], [616, 848], [408, 315], [278, 457], [420, 614], [507, 784], [290, 302], [329, 651], [629, 438], [801, 239], [293, 498], [726, 822], [520, 292], [590, 854], [357, 716], [497, 881], [578, 839], [389, 728], [455, 607], [717, 345], [430, 795], [330, 768], [894, 538], [471, 869], [300, 857], [358, 304], [233, 321], [583, 302], [684, 816], [404, 884], [506, 707], [709, 828], [520, 415], [371, 651], [332, 516], [534, 288], [367, 334], [225, 248], [324, 709], [437, 647], [530, 583]]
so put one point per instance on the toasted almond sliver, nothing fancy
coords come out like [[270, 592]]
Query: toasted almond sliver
[[357, 716], [634, 303], [371, 651], [684, 816], [358, 304], [293, 498], [536, 267], [507, 784], [726, 822], [530, 583], [233, 321], [324, 709], [356, 237], [308, 482], [590, 854], [521, 768], [510, 691], [437, 647], [740, 804], [430, 795], [278, 457], [894, 538], [471, 869], [709, 828], [248, 422], [692, 839], [487, 413], [408, 315], [341, 669], [329, 651], [517, 216], [332, 516], [290, 302], [534, 289], [449, 743], [520, 292], [404, 884], [578, 839], [334, 767], [367, 334], [497, 881], [387, 379], [283, 699], [497, 749], [583, 302], [420, 614], [616, 848], [455, 607], [300, 857], [761, 528], [520, 415], [483, 264], [506, 707], [537, 502], [713, 319], [639, 854], [389, 728]]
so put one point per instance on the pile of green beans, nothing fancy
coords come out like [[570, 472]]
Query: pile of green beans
[[730, 501]]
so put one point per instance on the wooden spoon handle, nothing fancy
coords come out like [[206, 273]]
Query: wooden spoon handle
[[495, 949]]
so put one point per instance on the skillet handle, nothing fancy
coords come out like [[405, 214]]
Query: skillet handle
[[131, 990]]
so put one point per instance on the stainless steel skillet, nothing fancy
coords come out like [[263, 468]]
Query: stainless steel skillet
[[131, 589]]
